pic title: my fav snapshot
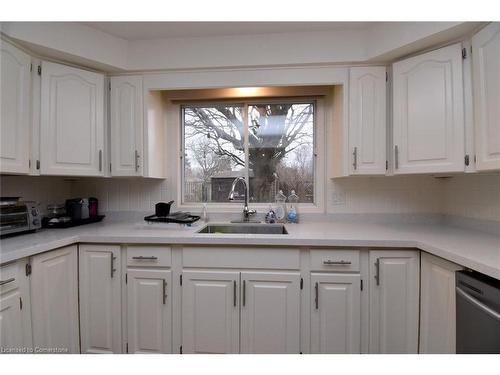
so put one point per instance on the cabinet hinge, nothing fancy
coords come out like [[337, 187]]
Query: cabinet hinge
[[474, 159], [387, 165], [31, 67], [126, 278], [180, 280], [109, 85], [386, 77], [29, 163], [464, 53], [28, 269], [126, 348], [466, 160], [180, 349], [39, 70], [301, 283], [20, 303], [109, 167], [38, 164], [361, 285]]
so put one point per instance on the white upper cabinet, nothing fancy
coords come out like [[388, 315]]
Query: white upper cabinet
[[367, 120], [100, 298], [126, 126], [335, 313], [14, 109], [210, 312], [394, 301], [72, 121], [486, 77], [428, 113], [270, 312]]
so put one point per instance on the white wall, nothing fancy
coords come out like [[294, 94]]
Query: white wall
[[473, 196]]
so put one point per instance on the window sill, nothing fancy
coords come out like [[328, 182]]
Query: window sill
[[238, 207]]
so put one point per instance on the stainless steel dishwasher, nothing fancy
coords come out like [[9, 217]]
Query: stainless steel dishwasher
[[478, 313]]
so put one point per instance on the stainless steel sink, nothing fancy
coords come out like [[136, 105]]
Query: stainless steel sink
[[243, 229]]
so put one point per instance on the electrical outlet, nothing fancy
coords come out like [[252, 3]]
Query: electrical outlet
[[338, 198]]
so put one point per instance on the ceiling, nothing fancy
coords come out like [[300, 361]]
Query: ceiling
[[157, 30]]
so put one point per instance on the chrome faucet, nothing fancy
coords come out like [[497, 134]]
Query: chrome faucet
[[246, 212]]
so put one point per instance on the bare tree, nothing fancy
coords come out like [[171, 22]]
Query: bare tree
[[275, 130]]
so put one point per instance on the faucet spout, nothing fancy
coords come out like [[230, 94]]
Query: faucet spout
[[246, 212]]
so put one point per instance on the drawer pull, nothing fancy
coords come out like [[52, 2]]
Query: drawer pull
[[145, 258], [3, 282], [336, 262]]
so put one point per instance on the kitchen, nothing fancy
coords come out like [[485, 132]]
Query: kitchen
[[296, 201]]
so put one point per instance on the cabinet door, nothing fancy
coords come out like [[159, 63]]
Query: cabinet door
[[394, 301], [486, 77], [11, 321], [126, 126], [428, 117], [149, 311], [367, 121], [14, 109], [72, 124], [100, 298], [210, 312], [335, 313], [270, 312], [54, 299], [437, 305]]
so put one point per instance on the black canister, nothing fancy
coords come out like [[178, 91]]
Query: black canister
[[74, 208]]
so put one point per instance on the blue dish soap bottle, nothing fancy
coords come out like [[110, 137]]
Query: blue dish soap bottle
[[292, 213]]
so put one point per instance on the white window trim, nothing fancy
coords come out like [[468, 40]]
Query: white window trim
[[176, 171]]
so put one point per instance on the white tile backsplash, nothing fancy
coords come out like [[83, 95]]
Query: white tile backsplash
[[472, 196]]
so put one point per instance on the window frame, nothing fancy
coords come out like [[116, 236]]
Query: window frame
[[319, 153]]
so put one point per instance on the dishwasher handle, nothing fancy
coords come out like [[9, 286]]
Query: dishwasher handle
[[474, 301]]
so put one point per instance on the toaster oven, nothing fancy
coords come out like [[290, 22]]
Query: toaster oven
[[18, 217]]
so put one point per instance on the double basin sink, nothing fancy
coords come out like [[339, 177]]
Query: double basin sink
[[245, 228]]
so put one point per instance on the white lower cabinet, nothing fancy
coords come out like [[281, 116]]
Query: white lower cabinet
[[149, 312], [335, 313], [270, 312], [210, 312], [394, 301], [54, 300], [100, 298], [437, 305], [15, 314]]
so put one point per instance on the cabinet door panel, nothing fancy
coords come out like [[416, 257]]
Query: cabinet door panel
[[14, 109], [126, 125], [367, 120], [428, 105], [336, 315], [486, 77], [100, 299], [72, 125], [11, 321], [270, 312], [210, 312], [394, 301], [54, 299], [437, 306], [149, 311]]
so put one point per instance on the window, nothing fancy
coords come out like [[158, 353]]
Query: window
[[271, 144]]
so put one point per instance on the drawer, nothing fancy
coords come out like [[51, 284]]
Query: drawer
[[149, 256], [334, 260], [9, 277], [241, 257]]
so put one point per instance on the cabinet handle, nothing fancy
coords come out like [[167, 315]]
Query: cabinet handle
[[316, 295], [377, 271], [100, 160], [244, 292], [396, 157], [3, 282], [336, 262], [113, 269], [234, 293], [136, 160], [355, 158], [164, 291], [145, 258]]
